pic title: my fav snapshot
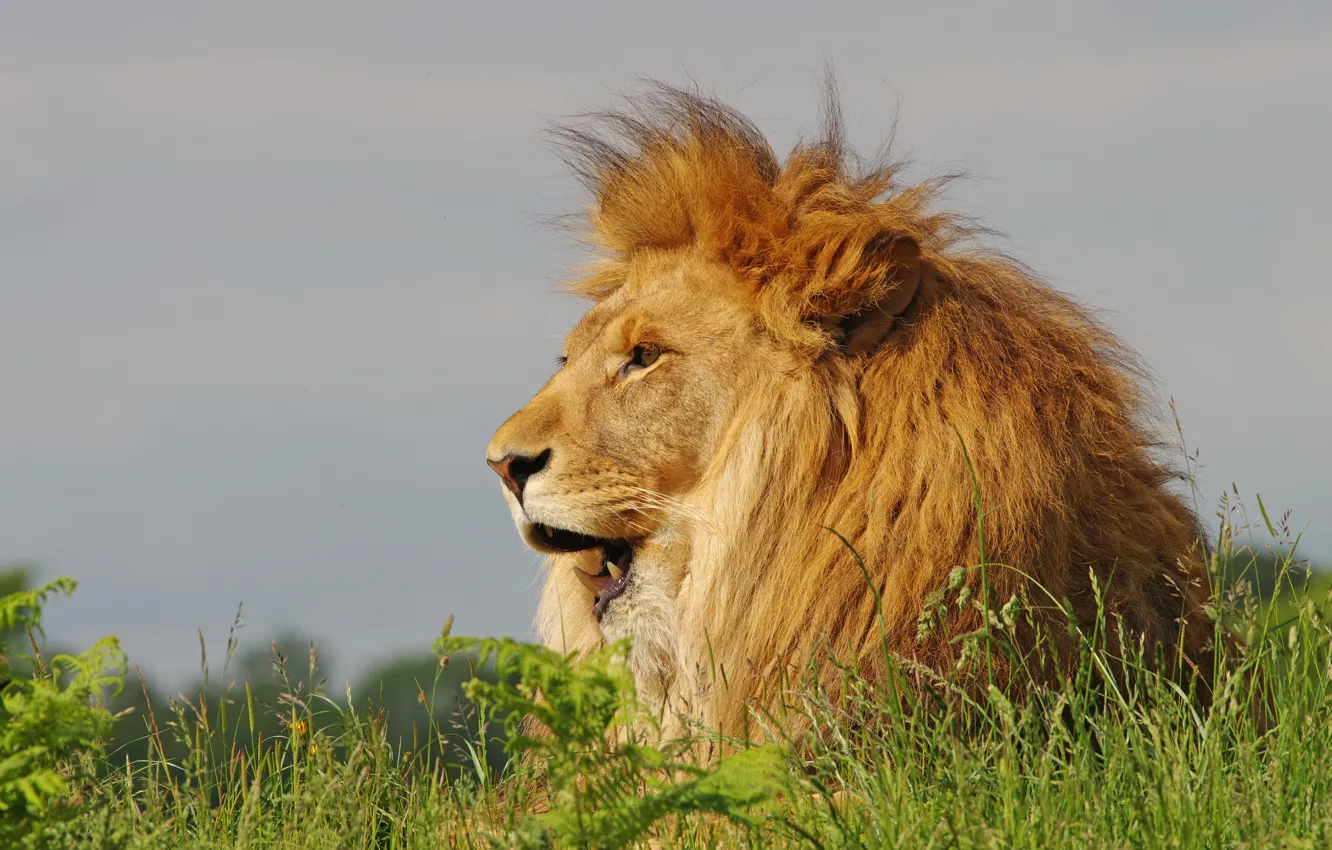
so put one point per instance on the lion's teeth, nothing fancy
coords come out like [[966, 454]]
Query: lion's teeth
[[616, 572]]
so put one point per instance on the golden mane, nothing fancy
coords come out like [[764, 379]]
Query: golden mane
[[1046, 401]]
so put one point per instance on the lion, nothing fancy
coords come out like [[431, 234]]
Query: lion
[[779, 350]]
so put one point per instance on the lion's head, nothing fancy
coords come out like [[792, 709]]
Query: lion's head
[[776, 349]]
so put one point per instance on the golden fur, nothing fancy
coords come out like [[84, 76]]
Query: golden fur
[[829, 344]]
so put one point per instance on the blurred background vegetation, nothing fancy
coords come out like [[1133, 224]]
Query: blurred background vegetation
[[419, 701]]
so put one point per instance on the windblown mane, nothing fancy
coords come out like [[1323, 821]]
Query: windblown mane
[[1046, 402]]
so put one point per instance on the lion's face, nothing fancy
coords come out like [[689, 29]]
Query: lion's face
[[596, 464]]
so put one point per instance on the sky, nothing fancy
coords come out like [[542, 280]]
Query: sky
[[272, 274]]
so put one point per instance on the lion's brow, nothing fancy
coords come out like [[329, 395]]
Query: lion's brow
[[587, 331]]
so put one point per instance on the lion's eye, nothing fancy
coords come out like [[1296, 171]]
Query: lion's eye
[[645, 354]]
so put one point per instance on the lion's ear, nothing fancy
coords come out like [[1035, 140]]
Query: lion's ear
[[899, 260]]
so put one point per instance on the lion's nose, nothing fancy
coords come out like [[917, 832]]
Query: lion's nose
[[514, 470]]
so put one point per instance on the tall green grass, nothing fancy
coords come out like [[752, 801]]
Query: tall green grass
[[1100, 759]]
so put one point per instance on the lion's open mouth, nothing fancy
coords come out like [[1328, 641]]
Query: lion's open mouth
[[617, 558]]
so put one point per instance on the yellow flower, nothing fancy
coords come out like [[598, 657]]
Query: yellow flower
[[299, 728]]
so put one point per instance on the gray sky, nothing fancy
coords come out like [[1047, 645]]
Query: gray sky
[[271, 274]]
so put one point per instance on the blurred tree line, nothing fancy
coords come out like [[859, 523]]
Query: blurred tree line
[[1260, 572], [248, 694]]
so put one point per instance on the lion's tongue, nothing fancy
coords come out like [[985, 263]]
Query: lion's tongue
[[596, 584]]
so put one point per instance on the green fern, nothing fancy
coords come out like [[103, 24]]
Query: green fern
[[610, 781], [52, 720]]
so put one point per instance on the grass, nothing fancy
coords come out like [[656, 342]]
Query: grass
[[1096, 761]]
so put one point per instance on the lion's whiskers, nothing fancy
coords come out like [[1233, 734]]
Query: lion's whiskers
[[671, 504]]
